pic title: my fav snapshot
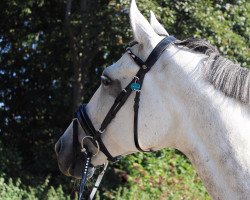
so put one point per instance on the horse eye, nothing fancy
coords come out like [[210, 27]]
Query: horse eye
[[105, 80]]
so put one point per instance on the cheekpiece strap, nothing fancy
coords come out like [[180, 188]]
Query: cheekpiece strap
[[158, 50], [137, 82], [137, 60], [154, 55]]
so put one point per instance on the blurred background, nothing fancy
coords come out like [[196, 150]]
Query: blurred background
[[52, 53]]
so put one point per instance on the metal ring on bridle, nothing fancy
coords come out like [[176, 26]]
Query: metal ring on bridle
[[101, 131], [128, 50], [136, 78], [97, 144]]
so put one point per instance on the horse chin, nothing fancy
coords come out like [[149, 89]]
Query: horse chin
[[64, 170], [76, 172]]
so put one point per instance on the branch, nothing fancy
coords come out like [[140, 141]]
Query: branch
[[77, 72], [68, 10], [68, 29]]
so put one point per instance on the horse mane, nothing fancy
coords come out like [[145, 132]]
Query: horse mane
[[232, 79]]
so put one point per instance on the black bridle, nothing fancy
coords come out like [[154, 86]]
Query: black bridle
[[134, 86]]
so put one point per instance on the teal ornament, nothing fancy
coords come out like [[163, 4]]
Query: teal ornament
[[135, 86]]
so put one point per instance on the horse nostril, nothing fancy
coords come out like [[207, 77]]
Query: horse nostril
[[58, 147]]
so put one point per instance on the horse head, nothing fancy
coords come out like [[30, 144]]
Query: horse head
[[157, 117]]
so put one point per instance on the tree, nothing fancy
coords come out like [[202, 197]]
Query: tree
[[53, 52]]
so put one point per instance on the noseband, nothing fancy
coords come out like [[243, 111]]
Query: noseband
[[134, 86]]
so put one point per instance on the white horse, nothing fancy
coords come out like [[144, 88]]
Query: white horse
[[197, 103]]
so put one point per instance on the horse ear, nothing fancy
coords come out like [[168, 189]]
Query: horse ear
[[158, 28], [142, 30]]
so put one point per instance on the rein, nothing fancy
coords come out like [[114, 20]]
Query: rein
[[95, 135], [87, 163]]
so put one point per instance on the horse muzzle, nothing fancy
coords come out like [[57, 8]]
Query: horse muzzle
[[70, 160]]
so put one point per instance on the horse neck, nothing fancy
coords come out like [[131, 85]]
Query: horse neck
[[215, 133]]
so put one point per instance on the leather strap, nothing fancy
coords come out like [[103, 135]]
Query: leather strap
[[151, 60], [98, 181], [86, 123], [88, 127], [158, 50]]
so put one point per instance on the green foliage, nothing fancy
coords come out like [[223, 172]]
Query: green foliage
[[223, 23], [13, 191], [166, 174], [38, 53]]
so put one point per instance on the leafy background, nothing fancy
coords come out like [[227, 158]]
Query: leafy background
[[44, 50]]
